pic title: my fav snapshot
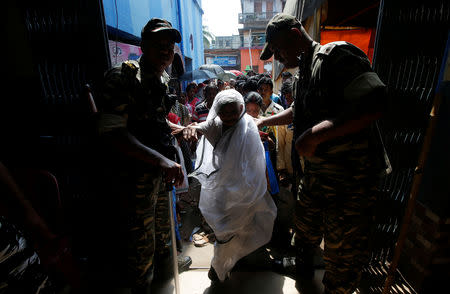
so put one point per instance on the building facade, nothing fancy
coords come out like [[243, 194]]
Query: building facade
[[254, 18], [125, 19], [224, 51]]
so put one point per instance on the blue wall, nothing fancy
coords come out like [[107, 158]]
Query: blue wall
[[134, 14]]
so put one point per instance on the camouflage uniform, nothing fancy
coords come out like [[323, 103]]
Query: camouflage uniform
[[338, 186], [136, 206]]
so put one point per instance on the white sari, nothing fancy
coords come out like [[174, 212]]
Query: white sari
[[234, 198]]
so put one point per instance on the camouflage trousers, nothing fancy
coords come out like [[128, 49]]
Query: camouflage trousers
[[149, 230], [340, 211]]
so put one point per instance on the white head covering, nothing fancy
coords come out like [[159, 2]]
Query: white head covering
[[232, 171], [212, 127]]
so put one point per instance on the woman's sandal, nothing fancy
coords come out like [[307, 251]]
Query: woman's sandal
[[202, 242], [198, 236]]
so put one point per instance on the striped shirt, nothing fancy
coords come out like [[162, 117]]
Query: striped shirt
[[201, 112]]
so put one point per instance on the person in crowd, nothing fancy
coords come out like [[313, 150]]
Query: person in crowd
[[191, 100], [200, 94], [240, 81], [231, 170], [253, 103], [285, 135], [182, 98], [138, 158], [285, 77], [341, 156], [250, 84], [205, 234], [281, 237], [232, 83], [202, 109], [220, 85], [251, 73], [265, 89], [269, 108], [185, 118], [173, 118], [32, 257], [181, 111]]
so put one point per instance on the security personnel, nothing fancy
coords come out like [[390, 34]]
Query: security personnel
[[138, 161], [338, 98]]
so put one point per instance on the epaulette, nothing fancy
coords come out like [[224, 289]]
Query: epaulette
[[130, 68], [327, 48]]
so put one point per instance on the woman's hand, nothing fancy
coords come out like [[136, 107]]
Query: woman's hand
[[190, 132], [178, 131]]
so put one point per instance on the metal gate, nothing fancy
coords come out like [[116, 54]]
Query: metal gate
[[409, 48], [69, 48]]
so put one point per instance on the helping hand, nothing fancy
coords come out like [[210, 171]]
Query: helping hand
[[306, 144]]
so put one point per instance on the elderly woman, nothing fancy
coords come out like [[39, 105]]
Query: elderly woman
[[231, 168]]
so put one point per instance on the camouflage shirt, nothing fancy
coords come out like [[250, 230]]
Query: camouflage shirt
[[335, 79], [137, 100]]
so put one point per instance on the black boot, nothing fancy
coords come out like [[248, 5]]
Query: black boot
[[304, 263], [212, 275]]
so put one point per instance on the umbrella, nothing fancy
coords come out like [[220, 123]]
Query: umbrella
[[217, 69], [222, 74], [198, 74], [226, 76], [236, 72]]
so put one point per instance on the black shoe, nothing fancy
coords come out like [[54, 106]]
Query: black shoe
[[212, 275], [183, 263], [284, 266], [304, 268]]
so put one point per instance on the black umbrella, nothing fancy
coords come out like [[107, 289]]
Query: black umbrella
[[198, 74], [215, 68]]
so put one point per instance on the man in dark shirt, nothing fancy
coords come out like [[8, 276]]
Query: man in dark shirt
[[337, 101], [139, 163]]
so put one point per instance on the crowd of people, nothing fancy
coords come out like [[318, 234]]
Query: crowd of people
[[245, 145]]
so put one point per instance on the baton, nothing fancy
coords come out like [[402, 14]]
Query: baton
[[173, 238]]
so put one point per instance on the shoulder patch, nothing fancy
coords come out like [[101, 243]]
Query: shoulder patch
[[130, 68], [327, 48], [130, 65]]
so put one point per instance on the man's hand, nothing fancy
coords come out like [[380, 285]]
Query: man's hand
[[306, 144], [173, 172], [176, 129], [56, 256], [190, 133]]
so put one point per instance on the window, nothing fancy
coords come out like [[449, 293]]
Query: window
[[269, 6], [258, 7]]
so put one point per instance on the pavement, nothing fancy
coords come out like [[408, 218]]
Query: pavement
[[251, 275]]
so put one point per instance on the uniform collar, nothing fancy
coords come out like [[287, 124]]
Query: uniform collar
[[147, 72], [315, 47]]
